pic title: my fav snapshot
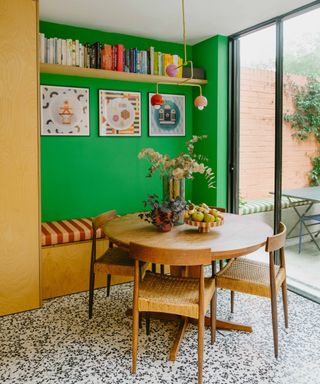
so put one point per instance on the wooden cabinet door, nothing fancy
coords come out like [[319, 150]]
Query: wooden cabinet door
[[19, 157]]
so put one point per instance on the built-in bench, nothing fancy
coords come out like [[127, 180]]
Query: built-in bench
[[66, 252]]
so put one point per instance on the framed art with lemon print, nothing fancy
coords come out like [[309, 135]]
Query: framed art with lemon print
[[119, 113], [169, 118]]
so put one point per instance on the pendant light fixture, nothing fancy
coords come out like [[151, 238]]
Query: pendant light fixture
[[172, 71]]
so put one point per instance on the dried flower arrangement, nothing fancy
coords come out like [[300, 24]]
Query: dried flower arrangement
[[182, 166], [163, 215]]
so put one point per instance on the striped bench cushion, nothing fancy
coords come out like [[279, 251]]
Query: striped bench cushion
[[267, 204], [67, 231]]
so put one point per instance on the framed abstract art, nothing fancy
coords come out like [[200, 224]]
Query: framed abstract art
[[64, 111], [119, 113], [169, 119]]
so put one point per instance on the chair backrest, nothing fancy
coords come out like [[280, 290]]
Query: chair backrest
[[100, 220], [277, 242], [170, 256]]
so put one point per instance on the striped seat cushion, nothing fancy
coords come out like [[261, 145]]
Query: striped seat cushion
[[67, 231], [267, 204]]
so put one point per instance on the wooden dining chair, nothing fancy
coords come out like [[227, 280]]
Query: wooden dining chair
[[185, 296], [260, 279], [115, 260], [223, 210]]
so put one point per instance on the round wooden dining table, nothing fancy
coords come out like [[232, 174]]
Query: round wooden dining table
[[238, 236]]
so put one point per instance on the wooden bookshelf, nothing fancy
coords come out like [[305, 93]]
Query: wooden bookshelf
[[67, 70]]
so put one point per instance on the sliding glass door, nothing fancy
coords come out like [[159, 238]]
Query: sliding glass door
[[274, 151]]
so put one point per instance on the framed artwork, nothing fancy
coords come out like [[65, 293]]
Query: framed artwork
[[64, 111], [169, 119], [119, 113]]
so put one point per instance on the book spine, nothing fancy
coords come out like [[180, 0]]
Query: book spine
[[73, 54], [120, 53], [55, 53], [59, 51], [145, 62], [93, 56], [155, 64], [88, 55], [131, 60], [160, 65], [42, 45], [127, 60], [51, 51], [77, 53], [98, 55], [180, 69], [69, 51], [81, 53], [138, 62], [64, 52], [151, 61]]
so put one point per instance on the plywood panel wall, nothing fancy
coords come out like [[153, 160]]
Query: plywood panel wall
[[19, 157]]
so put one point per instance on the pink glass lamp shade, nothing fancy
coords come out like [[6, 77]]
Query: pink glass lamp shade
[[200, 102], [157, 100], [172, 70]]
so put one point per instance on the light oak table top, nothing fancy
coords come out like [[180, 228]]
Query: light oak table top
[[238, 236]]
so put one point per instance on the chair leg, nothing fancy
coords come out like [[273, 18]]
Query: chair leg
[[274, 321], [108, 285], [147, 323], [135, 331], [162, 269], [91, 294], [285, 303], [213, 311], [200, 347], [300, 236], [232, 301]]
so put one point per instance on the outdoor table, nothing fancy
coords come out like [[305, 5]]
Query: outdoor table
[[238, 236], [310, 194]]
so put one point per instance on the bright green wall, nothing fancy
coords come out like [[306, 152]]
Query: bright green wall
[[84, 176], [212, 55]]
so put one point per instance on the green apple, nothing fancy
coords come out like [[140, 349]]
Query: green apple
[[208, 218], [197, 216]]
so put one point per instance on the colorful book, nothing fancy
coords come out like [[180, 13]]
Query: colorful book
[[69, 51], [119, 57], [180, 69], [155, 63], [150, 61], [106, 57]]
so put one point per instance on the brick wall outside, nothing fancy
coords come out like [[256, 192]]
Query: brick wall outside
[[257, 133]]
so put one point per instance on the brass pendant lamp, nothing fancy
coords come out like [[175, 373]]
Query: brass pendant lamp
[[172, 71]]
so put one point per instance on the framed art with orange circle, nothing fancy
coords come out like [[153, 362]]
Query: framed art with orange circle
[[119, 113]]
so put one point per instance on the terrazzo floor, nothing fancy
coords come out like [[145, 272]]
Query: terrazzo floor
[[58, 344]]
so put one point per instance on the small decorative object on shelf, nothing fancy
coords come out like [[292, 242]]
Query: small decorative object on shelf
[[163, 216], [202, 217]]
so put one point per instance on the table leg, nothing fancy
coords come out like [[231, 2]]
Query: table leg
[[298, 214]]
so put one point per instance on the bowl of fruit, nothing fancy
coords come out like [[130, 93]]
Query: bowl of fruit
[[203, 217]]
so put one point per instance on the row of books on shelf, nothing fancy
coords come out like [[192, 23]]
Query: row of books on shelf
[[106, 56]]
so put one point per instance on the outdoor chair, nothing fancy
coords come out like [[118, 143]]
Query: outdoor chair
[[308, 218]]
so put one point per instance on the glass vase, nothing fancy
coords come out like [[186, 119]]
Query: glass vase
[[173, 188]]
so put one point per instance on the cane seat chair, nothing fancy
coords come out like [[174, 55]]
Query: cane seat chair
[[260, 279], [115, 261], [185, 296]]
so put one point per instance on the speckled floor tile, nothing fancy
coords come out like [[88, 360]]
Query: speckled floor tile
[[58, 344]]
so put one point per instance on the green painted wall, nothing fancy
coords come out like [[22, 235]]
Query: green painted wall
[[84, 176], [212, 55]]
